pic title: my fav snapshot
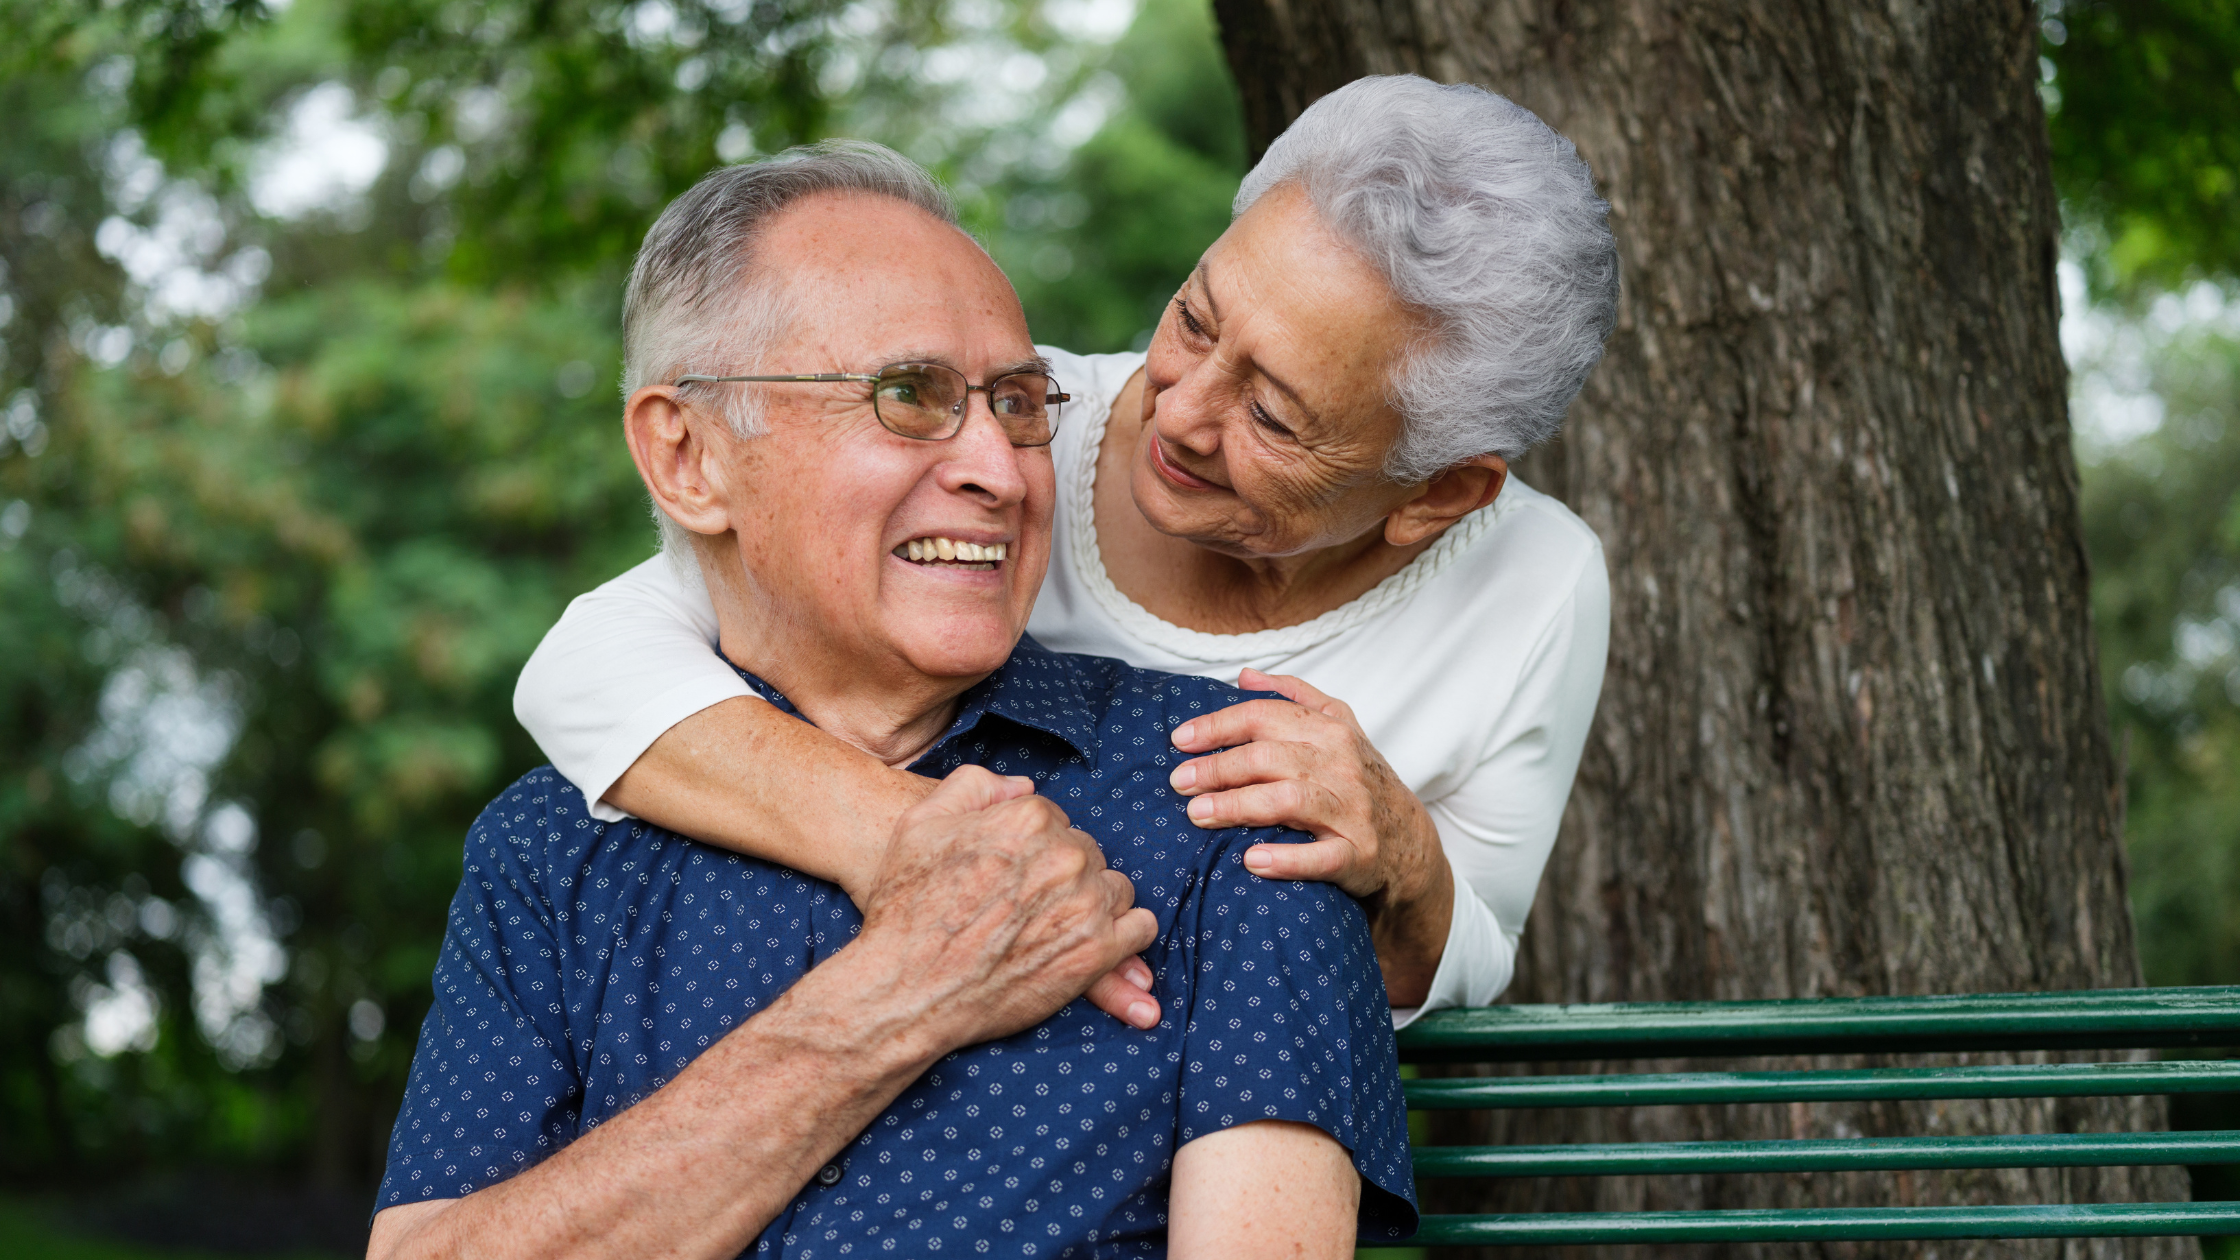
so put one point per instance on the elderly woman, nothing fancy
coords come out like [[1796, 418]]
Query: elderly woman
[[1302, 485]]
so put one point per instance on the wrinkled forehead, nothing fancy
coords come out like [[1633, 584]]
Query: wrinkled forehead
[[880, 277]]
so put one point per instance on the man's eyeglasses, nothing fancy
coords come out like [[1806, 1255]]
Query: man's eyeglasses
[[927, 401]]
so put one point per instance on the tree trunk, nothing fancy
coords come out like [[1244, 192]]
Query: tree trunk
[[1852, 738]]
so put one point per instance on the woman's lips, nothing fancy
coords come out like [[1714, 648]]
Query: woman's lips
[[1172, 473]]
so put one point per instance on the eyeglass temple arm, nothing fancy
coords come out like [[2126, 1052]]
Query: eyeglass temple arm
[[828, 376], [813, 376]]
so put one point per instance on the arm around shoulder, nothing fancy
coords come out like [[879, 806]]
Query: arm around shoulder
[[629, 698], [625, 662]]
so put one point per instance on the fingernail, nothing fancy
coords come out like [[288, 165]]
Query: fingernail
[[1201, 809], [1182, 736], [1143, 1014], [1185, 777], [1141, 977], [1259, 860]]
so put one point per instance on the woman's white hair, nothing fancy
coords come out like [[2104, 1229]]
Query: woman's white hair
[[701, 302], [1486, 221]]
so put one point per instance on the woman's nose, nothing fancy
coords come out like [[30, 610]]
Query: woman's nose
[[1188, 413]]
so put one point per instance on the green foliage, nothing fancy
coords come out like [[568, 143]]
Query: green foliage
[[1097, 251], [315, 535], [2162, 521], [2144, 109]]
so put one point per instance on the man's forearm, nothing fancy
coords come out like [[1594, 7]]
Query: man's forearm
[[702, 1166], [746, 777]]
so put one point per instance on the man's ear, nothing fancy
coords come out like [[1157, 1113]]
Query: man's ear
[[1447, 498], [675, 456]]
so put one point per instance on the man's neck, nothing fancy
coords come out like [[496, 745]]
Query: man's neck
[[893, 719], [885, 708]]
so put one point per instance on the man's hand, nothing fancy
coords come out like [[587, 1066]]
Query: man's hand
[[997, 912], [1305, 762]]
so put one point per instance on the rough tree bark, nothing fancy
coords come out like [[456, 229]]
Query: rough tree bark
[[1852, 738]]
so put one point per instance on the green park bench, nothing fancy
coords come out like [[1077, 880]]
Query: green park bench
[[2112, 1019]]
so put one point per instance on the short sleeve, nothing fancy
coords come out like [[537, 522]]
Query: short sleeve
[[1288, 1021], [491, 1092], [625, 663]]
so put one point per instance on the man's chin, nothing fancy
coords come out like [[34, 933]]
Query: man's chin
[[959, 647]]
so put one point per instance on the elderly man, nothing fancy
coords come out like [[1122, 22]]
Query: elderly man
[[643, 1045]]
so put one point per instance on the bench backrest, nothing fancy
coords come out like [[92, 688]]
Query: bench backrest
[[2109, 1019]]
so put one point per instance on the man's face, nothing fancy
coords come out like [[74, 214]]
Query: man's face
[[824, 507]]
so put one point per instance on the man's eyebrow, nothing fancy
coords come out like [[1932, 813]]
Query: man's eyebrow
[[1035, 364], [1205, 286]]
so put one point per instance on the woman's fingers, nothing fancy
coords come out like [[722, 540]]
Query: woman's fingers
[[1262, 761], [1333, 861], [1125, 994], [1285, 802], [1242, 723], [1296, 690]]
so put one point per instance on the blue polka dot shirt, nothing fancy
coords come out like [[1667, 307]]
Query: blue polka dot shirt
[[587, 963]]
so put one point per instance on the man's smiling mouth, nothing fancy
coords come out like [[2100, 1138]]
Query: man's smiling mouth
[[949, 553]]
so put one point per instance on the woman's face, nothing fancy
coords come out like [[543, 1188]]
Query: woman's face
[[1266, 424]]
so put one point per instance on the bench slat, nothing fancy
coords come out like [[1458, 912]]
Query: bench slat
[[2027, 1150], [2103, 1019], [2029, 1080], [2084, 1220]]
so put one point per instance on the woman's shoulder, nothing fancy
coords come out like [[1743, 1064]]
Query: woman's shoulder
[[1531, 553]]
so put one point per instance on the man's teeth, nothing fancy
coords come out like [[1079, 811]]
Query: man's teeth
[[931, 549]]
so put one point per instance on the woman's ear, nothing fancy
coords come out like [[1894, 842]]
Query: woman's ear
[[680, 466], [1447, 498]]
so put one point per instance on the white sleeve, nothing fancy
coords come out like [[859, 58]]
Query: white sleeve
[[1500, 824], [625, 663]]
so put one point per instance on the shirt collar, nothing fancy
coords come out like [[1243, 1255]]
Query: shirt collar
[[1036, 688]]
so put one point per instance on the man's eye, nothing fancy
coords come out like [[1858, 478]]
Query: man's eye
[[902, 392]]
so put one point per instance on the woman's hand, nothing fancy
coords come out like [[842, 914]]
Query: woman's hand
[[1304, 762]]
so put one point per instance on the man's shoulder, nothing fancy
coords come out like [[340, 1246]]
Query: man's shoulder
[[1131, 695], [540, 796], [537, 819]]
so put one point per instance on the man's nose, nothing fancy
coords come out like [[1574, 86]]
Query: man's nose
[[981, 461]]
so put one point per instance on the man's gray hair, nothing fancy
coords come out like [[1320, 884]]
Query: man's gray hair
[[701, 302], [1485, 220]]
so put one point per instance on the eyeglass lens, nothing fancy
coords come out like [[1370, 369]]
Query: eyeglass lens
[[929, 401]]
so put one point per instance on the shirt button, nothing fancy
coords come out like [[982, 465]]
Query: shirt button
[[829, 1175]]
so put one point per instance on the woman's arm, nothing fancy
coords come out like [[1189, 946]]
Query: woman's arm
[[745, 777], [1269, 1189], [630, 700]]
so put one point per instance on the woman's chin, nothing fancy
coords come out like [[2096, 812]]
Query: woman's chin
[[1165, 506]]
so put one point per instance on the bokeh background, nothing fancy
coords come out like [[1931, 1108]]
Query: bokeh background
[[308, 352]]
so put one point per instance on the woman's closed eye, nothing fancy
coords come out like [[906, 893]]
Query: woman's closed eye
[[1267, 421], [1189, 319]]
